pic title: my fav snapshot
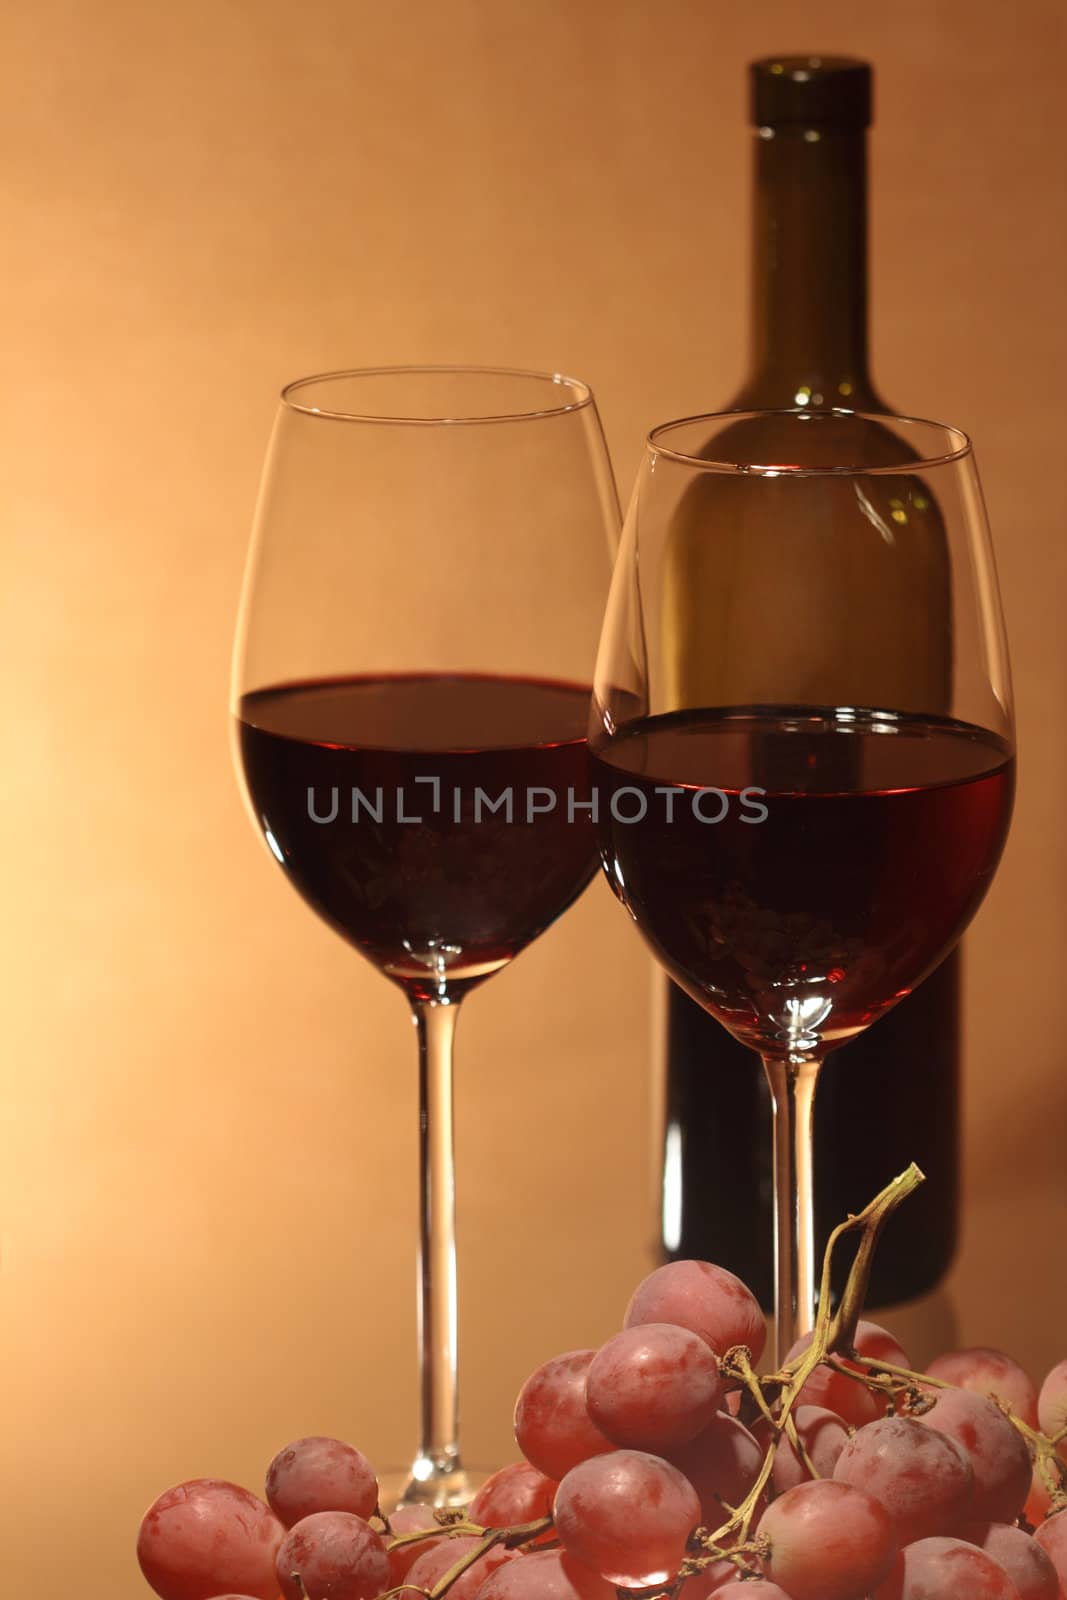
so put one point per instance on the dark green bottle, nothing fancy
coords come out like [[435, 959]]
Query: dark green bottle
[[892, 1095]]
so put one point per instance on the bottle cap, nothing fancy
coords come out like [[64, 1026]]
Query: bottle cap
[[826, 91]]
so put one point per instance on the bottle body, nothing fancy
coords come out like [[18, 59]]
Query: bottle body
[[891, 1095]]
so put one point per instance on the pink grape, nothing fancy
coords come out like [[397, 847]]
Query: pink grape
[[722, 1464], [995, 1448], [946, 1569], [1052, 1403], [879, 1344], [1039, 1500], [205, 1536], [1027, 1565], [828, 1541], [335, 1553], [847, 1399], [432, 1565], [653, 1386], [823, 1435], [320, 1474], [984, 1370], [552, 1424], [1052, 1537], [402, 1557], [627, 1515], [851, 1401], [737, 1589], [707, 1300], [922, 1478], [517, 1493], [546, 1575]]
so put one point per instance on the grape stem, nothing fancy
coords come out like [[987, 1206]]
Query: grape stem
[[799, 1446], [832, 1332], [872, 1219], [511, 1538], [419, 1535]]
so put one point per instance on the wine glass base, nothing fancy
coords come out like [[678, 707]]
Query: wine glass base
[[448, 1489]]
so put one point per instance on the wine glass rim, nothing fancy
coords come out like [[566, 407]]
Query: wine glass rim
[[581, 395], [959, 444]]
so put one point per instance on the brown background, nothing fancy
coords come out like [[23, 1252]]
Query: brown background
[[209, 1180]]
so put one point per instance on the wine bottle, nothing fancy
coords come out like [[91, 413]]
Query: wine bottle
[[891, 1096]]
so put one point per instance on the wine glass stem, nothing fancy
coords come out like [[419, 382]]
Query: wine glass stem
[[439, 1443], [792, 1083]]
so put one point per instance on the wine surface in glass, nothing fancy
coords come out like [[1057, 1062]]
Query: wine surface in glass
[[455, 829], [880, 836]]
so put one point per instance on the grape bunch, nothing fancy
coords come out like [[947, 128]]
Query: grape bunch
[[661, 1464]]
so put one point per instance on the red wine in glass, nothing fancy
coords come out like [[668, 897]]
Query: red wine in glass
[[798, 870], [440, 822]]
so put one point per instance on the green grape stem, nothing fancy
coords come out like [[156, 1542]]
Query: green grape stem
[[799, 1446], [831, 1333], [522, 1533], [420, 1535]]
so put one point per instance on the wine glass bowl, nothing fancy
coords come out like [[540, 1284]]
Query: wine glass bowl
[[412, 681], [850, 850], [799, 848], [380, 792]]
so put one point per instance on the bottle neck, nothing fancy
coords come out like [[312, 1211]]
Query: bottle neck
[[809, 307]]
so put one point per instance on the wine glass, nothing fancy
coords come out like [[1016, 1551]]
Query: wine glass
[[799, 834], [411, 693]]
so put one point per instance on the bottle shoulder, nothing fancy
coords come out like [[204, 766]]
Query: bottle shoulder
[[773, 391]]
